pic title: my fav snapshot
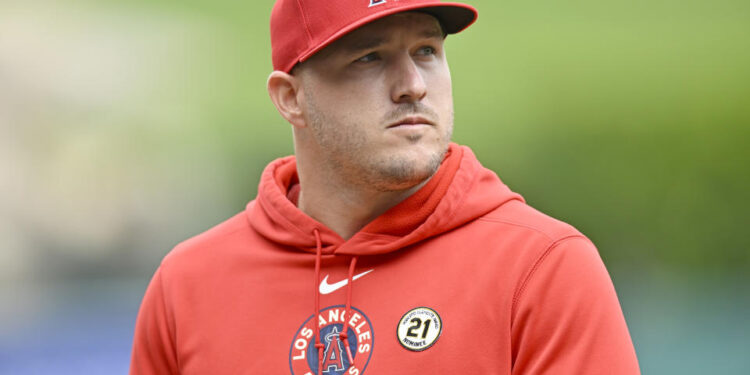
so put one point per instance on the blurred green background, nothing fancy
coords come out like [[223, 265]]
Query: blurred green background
[[126, 127]]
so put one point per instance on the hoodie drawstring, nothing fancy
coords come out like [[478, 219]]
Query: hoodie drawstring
[[316, 328], [343, 336], [316, 313]]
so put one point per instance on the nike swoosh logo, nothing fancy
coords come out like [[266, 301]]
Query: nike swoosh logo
[[326, 288]]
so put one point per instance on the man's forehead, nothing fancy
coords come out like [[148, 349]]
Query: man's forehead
[[418, 24]]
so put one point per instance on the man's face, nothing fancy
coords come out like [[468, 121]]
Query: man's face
[[378, 102]]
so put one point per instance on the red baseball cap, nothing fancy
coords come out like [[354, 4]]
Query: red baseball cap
[[300, 28]]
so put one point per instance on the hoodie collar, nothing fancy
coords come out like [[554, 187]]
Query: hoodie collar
[[460, 191]]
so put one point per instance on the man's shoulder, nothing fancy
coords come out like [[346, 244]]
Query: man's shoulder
[[229, 235], [520, 237], [523, 217]]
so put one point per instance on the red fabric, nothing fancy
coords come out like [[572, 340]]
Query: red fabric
[[517, 292]]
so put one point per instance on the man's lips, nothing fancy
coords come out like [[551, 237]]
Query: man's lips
[[411, 120]]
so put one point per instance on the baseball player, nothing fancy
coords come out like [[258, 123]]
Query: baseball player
[[380, 247]]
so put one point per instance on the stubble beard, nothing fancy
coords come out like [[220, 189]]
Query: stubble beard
[[341, 146]]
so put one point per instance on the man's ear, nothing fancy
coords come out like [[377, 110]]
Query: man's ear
[[285, 93]]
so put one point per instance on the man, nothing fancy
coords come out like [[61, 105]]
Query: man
[[380, 248]]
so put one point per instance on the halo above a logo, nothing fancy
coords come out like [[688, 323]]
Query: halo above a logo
[[419, 328], [303, 356]]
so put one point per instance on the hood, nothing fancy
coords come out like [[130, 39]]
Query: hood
[[461, 191]]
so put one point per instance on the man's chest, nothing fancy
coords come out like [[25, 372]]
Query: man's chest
[[417, 312]]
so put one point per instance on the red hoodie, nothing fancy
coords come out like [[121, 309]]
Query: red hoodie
[[460, 278]]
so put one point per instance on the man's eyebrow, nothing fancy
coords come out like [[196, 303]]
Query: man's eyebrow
[[373, 41], [365, 43], [433, 32]]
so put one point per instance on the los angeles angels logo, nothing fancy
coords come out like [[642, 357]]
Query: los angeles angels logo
[[333, 356], [376, 2], [332, 321]]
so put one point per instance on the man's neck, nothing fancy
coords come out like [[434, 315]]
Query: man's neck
[[346, 209]]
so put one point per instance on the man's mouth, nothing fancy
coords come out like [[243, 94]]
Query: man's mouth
[[411, 120]]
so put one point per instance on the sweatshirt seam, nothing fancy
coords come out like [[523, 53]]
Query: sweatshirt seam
[[205, 240], [229, 232], [170, 320], [532, 271], [527, 226]]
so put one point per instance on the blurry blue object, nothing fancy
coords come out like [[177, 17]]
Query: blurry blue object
[[85, 328]]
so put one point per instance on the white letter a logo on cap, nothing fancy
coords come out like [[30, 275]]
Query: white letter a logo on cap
[[376, 2]]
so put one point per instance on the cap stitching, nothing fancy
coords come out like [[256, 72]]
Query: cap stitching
[[304, 20]]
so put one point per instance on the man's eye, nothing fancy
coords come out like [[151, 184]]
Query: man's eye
[[426, 51], [370, 57]]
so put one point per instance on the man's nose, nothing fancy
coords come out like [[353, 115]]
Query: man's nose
[[408, 81]]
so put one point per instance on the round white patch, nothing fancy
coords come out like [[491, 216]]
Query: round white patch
[[419, 328]]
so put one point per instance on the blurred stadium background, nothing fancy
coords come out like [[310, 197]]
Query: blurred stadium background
[[126, 127]]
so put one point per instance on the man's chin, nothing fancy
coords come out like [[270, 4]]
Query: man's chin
[[405, 173]]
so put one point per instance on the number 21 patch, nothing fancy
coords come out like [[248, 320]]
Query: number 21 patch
[[419, 328]]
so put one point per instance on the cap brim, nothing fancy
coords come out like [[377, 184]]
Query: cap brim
[[454, 17]]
